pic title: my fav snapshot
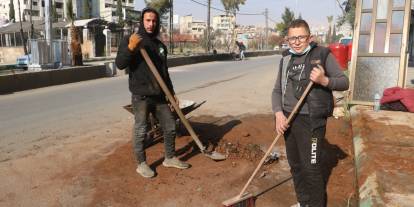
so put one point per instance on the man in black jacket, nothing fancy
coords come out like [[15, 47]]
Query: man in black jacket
[[304, 62], [147, 95]]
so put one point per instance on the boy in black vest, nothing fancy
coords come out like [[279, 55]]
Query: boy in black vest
[[306, 61]]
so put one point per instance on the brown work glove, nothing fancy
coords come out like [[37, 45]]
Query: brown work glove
[[134, 41]]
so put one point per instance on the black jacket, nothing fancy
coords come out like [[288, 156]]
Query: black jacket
[[141, 80]]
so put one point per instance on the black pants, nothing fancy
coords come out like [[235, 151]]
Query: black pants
[[142, 106], [303, 148]]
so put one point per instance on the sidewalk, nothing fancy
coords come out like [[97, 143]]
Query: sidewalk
[[384, 156]]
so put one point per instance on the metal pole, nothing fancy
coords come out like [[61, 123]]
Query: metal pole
[[48, 30], [267, 28], [48, 23], [208, 26], [171, 27]]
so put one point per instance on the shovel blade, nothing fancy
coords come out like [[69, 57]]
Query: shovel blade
[[215, 156]]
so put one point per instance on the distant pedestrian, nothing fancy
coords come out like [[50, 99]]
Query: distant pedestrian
[[305, 61], [242, 49]]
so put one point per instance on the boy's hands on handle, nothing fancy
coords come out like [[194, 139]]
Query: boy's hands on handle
[[318, 76], [281, 124], [134, 41]]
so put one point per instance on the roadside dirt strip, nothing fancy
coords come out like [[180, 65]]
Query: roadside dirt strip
[[98, 168]]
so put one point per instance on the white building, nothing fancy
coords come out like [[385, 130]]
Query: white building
[[193, 27], [319, 33], [4, 12], [37, 9], [107, 9], [224, 23], [97, 9]]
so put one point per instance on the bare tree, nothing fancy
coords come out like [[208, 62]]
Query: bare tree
[[329, 34], [21, 30], [11, 12], [75, 46]]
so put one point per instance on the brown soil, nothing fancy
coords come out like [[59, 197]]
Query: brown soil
[[208, 183], [387, 153]]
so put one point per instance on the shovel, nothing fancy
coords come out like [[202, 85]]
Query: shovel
[[212, 155], [247, 199]]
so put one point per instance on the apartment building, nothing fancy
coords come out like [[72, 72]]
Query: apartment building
[[37, 12], [193, 27], [224, 23], [105, 9]]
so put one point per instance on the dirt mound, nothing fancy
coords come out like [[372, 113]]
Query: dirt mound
[[208, 183]]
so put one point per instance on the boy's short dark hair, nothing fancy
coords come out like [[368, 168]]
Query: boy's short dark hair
[[299, 23]]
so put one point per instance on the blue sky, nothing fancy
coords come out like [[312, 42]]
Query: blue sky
[[314, 11]]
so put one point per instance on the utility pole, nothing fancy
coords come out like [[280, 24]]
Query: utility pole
[[208, 26], [48, 31], [48, 23], [266, 29], [171, 27]]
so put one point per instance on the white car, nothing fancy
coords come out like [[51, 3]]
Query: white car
[[23, 61], [285, 46]]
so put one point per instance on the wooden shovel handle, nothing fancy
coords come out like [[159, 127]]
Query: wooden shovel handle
[[171, 98], [291, 115]]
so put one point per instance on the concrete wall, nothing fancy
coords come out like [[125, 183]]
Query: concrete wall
[[30, 80], [178, 61], [8, 55]]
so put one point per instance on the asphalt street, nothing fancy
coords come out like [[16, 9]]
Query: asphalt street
[[73, 109]]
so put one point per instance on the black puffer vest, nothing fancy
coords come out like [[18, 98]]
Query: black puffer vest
[[320, 99]]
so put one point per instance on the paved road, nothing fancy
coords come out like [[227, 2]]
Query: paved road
[[68, 110]]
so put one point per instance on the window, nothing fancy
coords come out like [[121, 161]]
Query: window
[[58, 5], [34, 3]]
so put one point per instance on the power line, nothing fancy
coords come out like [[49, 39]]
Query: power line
[[272, 20], [238, 13]]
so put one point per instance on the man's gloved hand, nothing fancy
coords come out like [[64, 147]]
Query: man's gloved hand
[[134, 41]]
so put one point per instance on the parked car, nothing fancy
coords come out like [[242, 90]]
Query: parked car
[[285, 46], [345, 40], [23, 62], [276, 47]]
